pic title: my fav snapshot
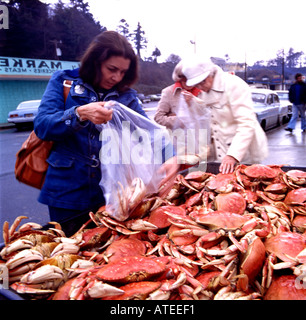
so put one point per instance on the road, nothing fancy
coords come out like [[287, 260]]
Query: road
[[19, 199]]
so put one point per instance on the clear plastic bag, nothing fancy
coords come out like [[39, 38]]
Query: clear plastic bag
[[133, 150], [193, 134]]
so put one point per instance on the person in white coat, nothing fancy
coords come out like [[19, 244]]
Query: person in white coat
[[235, 132]]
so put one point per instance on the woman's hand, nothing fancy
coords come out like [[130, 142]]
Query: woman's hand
[[188, 97], [95, 112], [228, 164], [170, 168]]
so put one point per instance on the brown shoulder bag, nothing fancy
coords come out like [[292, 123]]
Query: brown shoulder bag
[[31, 165]]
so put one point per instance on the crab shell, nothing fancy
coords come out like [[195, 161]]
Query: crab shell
[[93, 237], [207, 279], [131, 269], [296, 176], [222, 183], [220, 219], [143, 208], [231, 202], [63, 292], [297, 196], [286, 244], [253, 260], [285, 288], [260, 171], [278, 188], [181, 240], [136, 291], [160, 218], [125, 247], [299, 222], [198, 176]]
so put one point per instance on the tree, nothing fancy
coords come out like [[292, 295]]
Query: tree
[[28, 27], [80, 5], [173, 59], [292, 58], [123, 28], [74, 27], [37, 30], [156, 53], [139, 39]]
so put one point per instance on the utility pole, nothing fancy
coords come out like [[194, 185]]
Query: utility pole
[[58, 51], [245, 67], [283, 72], [194, 43]]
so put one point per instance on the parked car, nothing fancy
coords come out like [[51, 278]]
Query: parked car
[[155, 97], [25, 113], [270, 113], [143, 98], [284, 100]]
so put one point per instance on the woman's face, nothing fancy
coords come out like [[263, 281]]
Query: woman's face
[[113, 71], [206, 84], [184, 85]]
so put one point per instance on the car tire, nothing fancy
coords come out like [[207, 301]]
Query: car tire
[[19, 126]]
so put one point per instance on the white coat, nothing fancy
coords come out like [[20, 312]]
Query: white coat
[[234, 126]]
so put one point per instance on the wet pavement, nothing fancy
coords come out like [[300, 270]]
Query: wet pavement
[[287, 148]]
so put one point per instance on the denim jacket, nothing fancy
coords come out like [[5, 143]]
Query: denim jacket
[[73, 176]]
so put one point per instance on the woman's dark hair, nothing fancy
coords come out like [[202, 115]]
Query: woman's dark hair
[[104, 46]]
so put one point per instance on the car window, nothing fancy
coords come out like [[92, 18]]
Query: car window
[[275, 98], [28, 104], [283, 95], [258, 97], [270, 99]]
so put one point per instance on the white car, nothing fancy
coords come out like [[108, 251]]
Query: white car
[[25, 113], [284, 99], [270, 113]]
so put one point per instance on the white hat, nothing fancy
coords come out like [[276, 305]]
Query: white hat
[[177, 72], [196, 72]]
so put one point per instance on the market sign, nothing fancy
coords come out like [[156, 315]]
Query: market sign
[[23, 67]]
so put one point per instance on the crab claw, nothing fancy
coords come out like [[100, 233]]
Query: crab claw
[[25, 288], [23, 256], [140, 225], [64, 248], [16, 245], [29, 226], [42, 274], [302, 256], [98, 289], [136, 193]]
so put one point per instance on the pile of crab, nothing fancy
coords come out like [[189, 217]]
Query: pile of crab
[[212, 236]]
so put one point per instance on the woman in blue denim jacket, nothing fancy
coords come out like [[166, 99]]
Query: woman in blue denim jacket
[[108, 68]]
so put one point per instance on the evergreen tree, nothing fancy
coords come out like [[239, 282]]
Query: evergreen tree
[[140, 41], [123, 28], [156, 53]]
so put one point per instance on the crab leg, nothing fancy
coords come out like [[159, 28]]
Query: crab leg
[[16, 224]]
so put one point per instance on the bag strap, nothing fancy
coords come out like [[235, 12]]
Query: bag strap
[[67, 85]]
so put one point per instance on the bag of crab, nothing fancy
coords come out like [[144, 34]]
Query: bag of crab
[[133, 150]]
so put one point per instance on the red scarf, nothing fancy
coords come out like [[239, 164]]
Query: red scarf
[[195, 91]]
